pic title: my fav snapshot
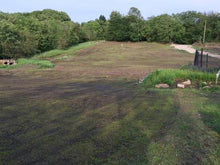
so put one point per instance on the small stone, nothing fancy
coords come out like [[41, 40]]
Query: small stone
[[162, 86], [180, 86], [187, 83]]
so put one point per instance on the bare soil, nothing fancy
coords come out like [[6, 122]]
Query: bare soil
[[213, 51]]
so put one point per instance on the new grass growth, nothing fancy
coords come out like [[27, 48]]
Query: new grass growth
[[23, 61], [57, 52], [40, 61], [169, 76]]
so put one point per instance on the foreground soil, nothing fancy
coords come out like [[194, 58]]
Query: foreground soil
[[89, 109]]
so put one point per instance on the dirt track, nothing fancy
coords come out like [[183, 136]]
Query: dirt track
[[190, 49]]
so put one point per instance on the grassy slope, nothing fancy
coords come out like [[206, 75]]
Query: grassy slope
[[43, 60], [57, 52], [60, 116]]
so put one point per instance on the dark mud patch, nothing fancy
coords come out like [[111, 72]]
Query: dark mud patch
[[83, 122]]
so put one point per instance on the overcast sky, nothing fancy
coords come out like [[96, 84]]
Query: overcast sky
[[85, 10]]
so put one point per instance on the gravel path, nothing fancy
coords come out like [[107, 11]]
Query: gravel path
[[190, 49]]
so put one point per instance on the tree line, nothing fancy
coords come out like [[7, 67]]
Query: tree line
[[26, 34]]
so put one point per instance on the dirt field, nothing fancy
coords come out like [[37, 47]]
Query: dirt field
[[89, 109]]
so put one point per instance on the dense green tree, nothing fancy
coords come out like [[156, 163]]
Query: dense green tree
[[103, 27], [194, 24], [9, 40], [164, 28], [48, 14], [24, 34], [217, 28], [92, 29], [212, 27], [118, 27], [136, 24]]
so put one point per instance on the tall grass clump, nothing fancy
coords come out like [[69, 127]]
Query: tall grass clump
[[169, 76]]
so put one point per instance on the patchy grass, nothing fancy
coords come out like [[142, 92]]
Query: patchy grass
[[169, 76], [209, 110], [87, 110], [108, 123], [187, 140]]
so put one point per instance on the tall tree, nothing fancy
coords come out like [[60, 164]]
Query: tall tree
[[194, 24], [164, 28], [118, 27], [136, 24]]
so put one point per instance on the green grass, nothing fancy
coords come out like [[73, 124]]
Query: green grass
[[40, 63], [23, 61], [39, 59], [210, 113], [169, 76], [57, 52], [3, 66]]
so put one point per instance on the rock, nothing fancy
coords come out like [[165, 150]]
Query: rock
[[186, 83], [206, 87], [7, 62], [180, 85], [162, 86]]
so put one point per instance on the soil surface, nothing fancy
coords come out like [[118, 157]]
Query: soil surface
[[190, 49]]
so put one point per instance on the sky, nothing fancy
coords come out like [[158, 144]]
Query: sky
[[85, 10]]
